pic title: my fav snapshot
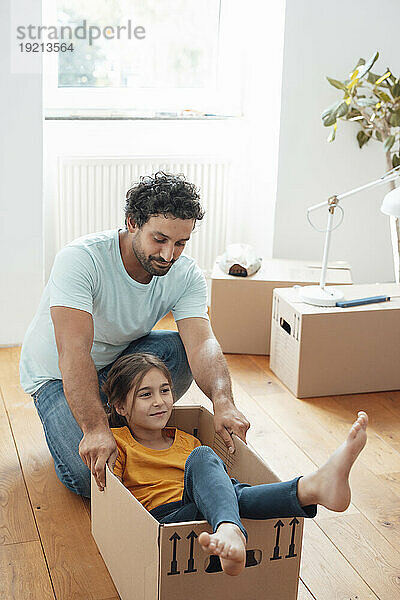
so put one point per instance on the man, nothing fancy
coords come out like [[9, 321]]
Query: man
[[105, 293]]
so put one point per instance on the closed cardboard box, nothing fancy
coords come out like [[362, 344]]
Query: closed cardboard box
[[326, 351], [151, 561], [241, 307]]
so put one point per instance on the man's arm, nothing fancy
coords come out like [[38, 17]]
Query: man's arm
[[211, 374], [74, 337]]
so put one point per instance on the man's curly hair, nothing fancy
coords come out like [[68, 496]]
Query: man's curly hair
[[163, 194]]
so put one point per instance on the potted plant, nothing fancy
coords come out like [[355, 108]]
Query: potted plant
[[373, 102]]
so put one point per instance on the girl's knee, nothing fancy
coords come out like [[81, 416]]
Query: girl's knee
[[204, 453]]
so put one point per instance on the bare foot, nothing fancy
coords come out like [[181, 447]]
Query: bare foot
[[329, 485], [229, 543]]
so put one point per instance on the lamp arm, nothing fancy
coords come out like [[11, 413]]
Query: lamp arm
[[389, 176], [332, 202]]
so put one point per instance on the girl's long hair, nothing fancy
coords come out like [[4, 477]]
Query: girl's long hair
[[127, 373]]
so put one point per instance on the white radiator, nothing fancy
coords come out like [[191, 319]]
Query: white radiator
[[91, 197]]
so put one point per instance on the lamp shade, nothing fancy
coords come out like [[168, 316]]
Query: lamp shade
[[391, 203]]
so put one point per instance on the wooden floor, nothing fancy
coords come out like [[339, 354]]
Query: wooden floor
[[46, 549]]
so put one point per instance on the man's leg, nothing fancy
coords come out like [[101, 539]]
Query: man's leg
[[63, 436]]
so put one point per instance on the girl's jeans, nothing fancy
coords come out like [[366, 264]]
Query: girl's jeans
[[63, 434], [209, 494]]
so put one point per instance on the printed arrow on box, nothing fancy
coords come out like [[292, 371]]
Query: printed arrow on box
[[278, 525], [192, 536], [174, 563], [292, 553]]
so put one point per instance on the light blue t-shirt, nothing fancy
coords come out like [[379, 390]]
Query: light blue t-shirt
[[89, 274]]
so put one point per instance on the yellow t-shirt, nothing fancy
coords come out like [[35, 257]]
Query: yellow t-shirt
[[154, 477]]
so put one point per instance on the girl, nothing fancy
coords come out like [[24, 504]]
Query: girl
[[177, 479]]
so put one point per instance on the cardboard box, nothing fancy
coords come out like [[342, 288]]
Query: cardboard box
[[325, 351], [150, 561], [241, 307]]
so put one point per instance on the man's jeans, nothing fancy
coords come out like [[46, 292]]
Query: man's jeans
[[63, 434], [209, 494]]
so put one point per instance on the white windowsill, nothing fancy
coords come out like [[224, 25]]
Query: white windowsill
[[57, 114]]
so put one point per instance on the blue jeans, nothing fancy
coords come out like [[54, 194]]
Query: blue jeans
[[209, 494], [62, 432]]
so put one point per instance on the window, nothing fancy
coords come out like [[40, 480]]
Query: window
[[144, 57]]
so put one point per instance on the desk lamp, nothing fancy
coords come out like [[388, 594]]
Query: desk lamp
[[320, 295]]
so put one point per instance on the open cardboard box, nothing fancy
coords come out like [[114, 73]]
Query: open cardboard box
[[151, 561]]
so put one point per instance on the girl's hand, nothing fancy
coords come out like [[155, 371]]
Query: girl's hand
[[228, 420]]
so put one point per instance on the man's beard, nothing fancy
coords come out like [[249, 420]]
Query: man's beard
[[148, 262]]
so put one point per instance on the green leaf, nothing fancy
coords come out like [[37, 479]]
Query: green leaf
[[362, 138], [395, 90], [388, 143], [328, 118], [342, 109], [395, 119], [366, 101], [363, 70], [390, 81], [391, 75], [372, 78], [361, 61], [396, 160], [383, 96], [337, 84], [329, 114], [378, 136], [332, 135], [334, 112]]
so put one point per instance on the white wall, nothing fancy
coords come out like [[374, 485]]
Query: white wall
[[324, 38], [263, 24], [21, 262]]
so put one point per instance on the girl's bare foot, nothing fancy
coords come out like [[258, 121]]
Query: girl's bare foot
[[329, 485], [229, 543]]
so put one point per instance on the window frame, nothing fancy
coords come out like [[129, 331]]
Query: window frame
[[225, 99]]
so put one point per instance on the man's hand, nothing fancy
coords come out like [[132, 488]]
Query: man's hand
[[97, 448], [228, 420]]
